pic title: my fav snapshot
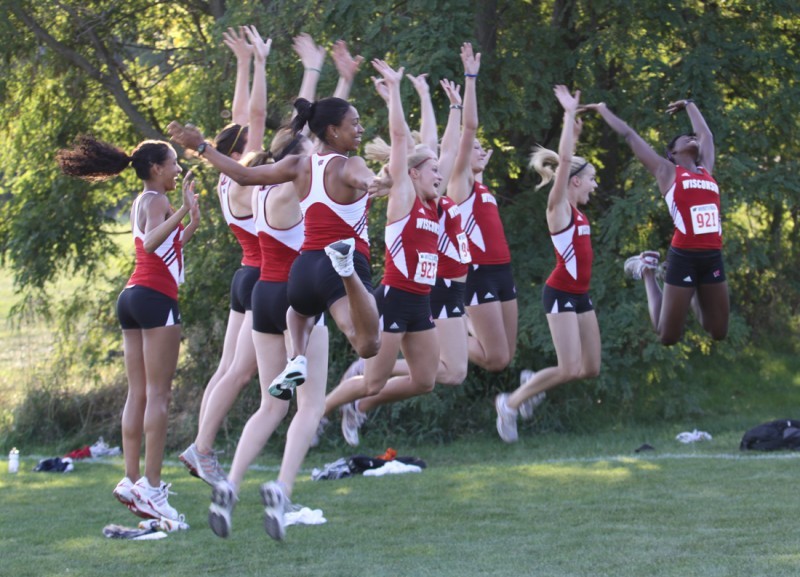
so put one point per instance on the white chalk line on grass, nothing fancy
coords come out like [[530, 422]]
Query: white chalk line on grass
[[667, 456], [555, 461]]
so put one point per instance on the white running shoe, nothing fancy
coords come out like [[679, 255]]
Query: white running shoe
[[123, 492], [292, 376], [352, 419], [341, 255], [274, 500], [506, 419], [323, 423], [529, 405], [223, 500], [152, 501], [637, 264], [203, 465]]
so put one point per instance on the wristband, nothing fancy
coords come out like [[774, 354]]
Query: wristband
[[687, 102], [468, 75], [317, 70], [456, 107]]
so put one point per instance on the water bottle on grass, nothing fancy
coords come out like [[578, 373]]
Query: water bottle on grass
[[13, 461]]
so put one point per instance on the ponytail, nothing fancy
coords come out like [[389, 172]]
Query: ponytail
[[95, 161]]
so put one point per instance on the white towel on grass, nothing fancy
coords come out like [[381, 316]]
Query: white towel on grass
[[392, 468], [693, 436], [304, 516]]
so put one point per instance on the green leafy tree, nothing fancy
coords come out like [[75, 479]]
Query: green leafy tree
[[122, 70]]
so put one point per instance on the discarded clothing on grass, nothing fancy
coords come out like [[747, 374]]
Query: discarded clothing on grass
[[363, 463], [305, 516], [99, 449], [357, 464], [772, 436], [339, 469], [132, 534], [693, 436], [55, 465], [392, 468]]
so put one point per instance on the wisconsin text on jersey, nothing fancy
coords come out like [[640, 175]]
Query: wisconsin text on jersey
[[488, 197], [701, 184], [427, 224]]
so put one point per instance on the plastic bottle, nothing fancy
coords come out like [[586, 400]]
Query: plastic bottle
[[13, 461]]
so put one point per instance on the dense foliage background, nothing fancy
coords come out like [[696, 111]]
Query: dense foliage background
[[123, 70]]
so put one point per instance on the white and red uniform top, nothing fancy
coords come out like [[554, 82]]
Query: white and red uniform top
[[481, 220], [279, 247], [162, 269], [693, 202], [453, 249], [326, 220], [573, 247], [411, 258], [243, 228]]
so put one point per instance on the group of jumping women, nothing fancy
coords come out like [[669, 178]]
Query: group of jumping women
[[447, 297]]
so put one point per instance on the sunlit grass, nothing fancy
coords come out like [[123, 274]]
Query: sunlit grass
[[685, 510]]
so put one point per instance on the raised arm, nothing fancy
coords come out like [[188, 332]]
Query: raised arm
[[159, 223], [705, 138], [427, 127], [449, 146], [238, 44], [347, 66], [383, 91], [462, 178], [190, 198], [558, 207], [288, 169], [401, 196], [657, 165], [313, 59], [257, 118]]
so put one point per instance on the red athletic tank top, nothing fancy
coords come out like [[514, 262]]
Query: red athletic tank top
[[481, 220], [279, 247], [453, 250], [326, 220], [411, 259], [162, 269], [242, 227], [693, 202], [573, 247]]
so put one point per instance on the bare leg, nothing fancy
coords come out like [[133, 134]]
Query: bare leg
[[421, 349], [577, 343], [227, 389], [490, 348], [271, 352], [356, 315], [654, 296], [714, 306], [377, 371], [232, 332], [160, 346], [675, 306], [310, 406], [133, 413], [453, 353], [299, 327]]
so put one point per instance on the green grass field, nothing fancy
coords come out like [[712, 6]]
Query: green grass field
[[552, 505]]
